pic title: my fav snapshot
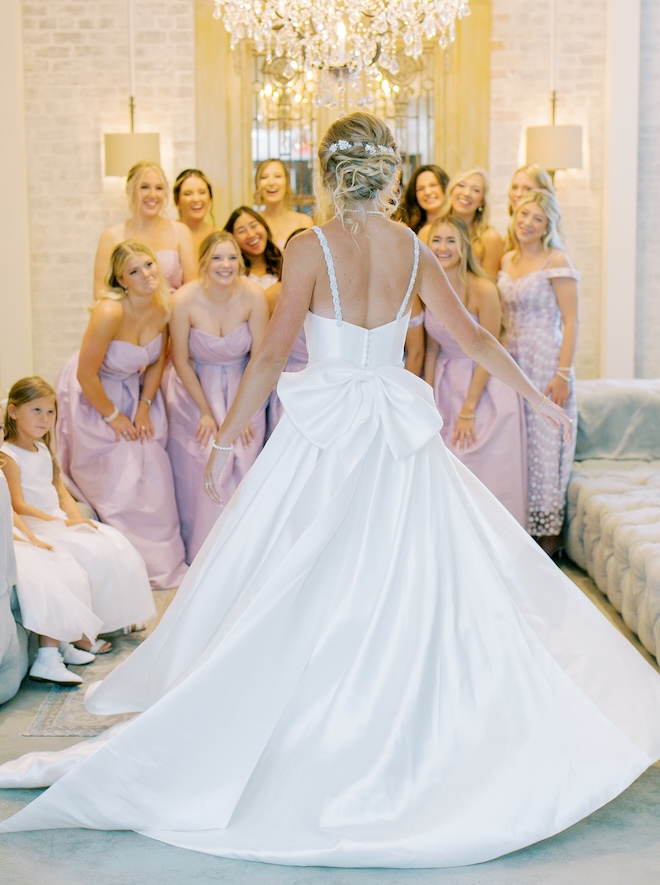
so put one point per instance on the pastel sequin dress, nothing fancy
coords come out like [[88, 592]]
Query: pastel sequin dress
[[533, 337]]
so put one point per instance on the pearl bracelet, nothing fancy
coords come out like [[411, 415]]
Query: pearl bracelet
[[112, 416], [466, 417], [540, 405], [229, 448], [564, 377]]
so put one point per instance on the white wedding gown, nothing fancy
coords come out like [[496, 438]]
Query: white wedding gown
[[369, 663]]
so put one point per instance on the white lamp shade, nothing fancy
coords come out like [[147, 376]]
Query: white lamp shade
[[125, 149], [555, 147]]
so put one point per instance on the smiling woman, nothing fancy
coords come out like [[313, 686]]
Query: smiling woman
[[193, 197], [217, 321], [262, 257], [467, 198], [112, 429], [147, 191], [273, 192]]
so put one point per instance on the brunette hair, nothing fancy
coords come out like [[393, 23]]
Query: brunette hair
[[415, 217], [272, 255], [182, 177]]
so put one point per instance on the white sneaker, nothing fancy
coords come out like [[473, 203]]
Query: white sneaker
[[49, 667], [77, 656]]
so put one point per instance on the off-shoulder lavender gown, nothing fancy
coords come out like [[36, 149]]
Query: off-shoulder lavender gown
[[499, 455], [129, 484], [533, 338], [219, 363]]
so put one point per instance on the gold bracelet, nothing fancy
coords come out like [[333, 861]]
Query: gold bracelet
[[466, 417], [540, 405]]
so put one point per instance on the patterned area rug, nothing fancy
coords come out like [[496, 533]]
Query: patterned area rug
[[62, 713]]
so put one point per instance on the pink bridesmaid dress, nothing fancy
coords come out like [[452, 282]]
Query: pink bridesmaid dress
[[128, 484], [219, 363], [499, 456], [171, 267], [296, 363]]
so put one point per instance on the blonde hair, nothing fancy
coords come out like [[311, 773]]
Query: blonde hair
[[358, 159], [468, 262], [134, 179], [538, 175], [25, 391], [288, 196], [118, 261], [480, 223], [207, 248], [548, 204]]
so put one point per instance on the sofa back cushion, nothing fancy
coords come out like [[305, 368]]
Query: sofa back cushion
[[618, 419]]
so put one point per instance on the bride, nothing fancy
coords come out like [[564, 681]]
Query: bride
[[369, 662]]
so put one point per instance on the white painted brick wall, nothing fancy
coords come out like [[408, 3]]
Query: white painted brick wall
[[520, 97], [647, 364], [76, 89]]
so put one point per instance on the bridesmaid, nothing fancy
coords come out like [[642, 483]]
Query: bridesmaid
[[527, 179], [423, 198], [467, 198], [262, 257], [484, 422], [193, 197], [171, 241], [273, 192], [540, 298], [112, 428], [297, 359], [216, 322]]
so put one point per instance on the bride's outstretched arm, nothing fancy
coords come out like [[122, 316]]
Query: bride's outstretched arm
[[266, 365], [435, 291]]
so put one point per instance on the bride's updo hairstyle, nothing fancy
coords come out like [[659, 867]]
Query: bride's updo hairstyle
[[358, 160]]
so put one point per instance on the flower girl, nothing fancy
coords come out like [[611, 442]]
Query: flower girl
[[120, 592]]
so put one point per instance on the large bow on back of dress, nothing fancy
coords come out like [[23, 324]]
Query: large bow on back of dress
[[335, 402]]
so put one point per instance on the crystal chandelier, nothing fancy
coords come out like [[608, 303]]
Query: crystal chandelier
[[341, 35]]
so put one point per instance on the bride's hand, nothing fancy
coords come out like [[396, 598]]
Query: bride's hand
[[556, 417], [214, 467]]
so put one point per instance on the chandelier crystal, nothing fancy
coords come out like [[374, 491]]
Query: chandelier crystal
[[341, 35]]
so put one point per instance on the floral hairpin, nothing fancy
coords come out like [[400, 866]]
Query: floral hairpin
[[369, 148]]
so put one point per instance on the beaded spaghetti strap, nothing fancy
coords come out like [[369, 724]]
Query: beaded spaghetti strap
[[413, 277], [331, 274]]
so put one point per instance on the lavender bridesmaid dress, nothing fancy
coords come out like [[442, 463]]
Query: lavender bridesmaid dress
[[499, 455], [128, 484], [219, 363], [170, 266], [296, 363]]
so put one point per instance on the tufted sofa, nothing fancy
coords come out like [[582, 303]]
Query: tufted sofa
[[613, 514]]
